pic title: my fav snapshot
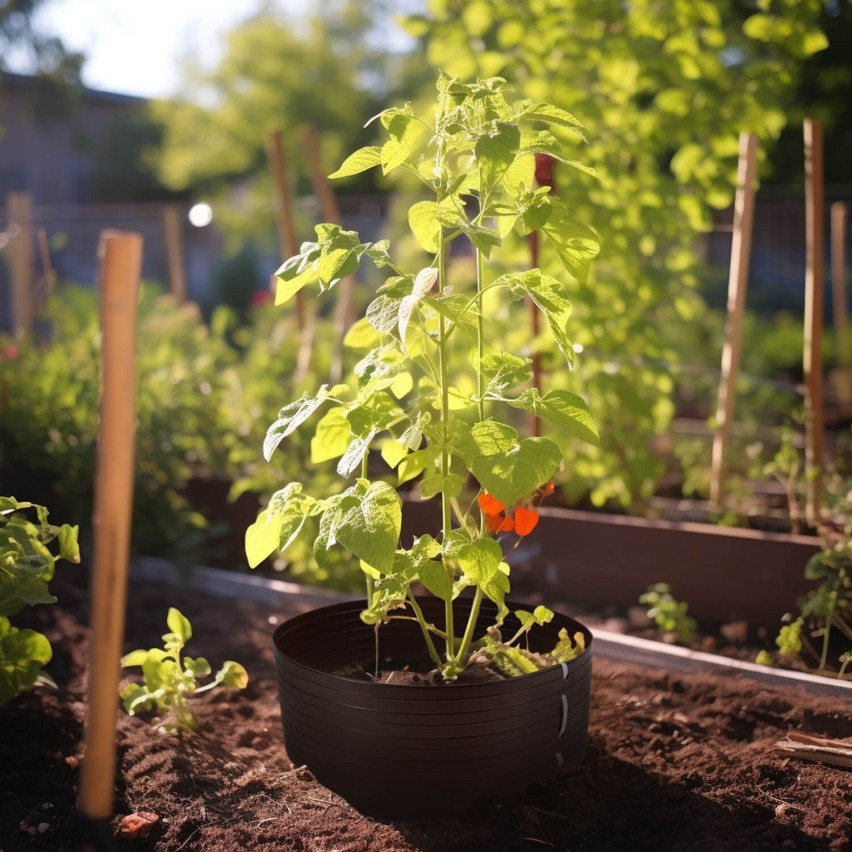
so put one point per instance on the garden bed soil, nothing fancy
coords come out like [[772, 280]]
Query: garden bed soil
[[675, 761]]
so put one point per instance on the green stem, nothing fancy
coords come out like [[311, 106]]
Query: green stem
[[433, 653], [446, 507], [463, 653], [825, 637]]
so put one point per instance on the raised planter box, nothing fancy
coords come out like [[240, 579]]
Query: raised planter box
[[594, 561]]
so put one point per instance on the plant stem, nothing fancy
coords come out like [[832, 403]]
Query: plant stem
[[461, 658], [826, 636], [446, 507], [433, 653]]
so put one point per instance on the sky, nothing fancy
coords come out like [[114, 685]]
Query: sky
[[136, 48]]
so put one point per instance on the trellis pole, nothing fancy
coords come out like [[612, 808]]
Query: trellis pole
[[812, 355], [120, 256], [19, 211], [331, 214], [737, 286], [174, 252]]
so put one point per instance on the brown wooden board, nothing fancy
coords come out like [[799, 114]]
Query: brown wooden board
[[593, 560]]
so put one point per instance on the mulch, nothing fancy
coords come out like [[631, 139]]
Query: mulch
[[675, 762]]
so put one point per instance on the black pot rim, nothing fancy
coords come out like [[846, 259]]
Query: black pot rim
[[358, 606]]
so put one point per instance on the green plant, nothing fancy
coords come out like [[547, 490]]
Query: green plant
[[666, 88], [430, 381], [826, 611], [169, 678], [668, 613], [26, 567]]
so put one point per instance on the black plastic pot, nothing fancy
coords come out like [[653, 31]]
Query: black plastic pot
[[410, 751]]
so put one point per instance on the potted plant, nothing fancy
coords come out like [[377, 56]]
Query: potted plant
[[431, 385]]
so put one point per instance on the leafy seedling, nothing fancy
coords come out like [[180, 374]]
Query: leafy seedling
[[169, 679]]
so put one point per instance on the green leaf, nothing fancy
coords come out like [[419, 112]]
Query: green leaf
[[293, 415], [425, 225], [360, 161], [233, 675], [370, 528], [261, 538], [332, 436], [478, 559], [575, 243], [22, 655], [361, 335], [179, 624], [550, 114], [567, 411], [423, 284], [550, 297], [68, 547], [495, 152], [507, 467], [405, 133], [451, 485], [434, 576], [297, 272], [545, 142], [134, 658], [198, 667], [504, 371]]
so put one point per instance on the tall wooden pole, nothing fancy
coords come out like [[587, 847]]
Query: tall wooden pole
[[737, 286], [120, 267], [331, 213], [174, 252], [838, 283], [19, 211], [812, 356], [283, 207]]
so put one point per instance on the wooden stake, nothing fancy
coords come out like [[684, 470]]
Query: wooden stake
[[838, 283], [174, 252], [120, 256], [283, 208], [331, 213], [812, 356], [737, 286], [19, 209]]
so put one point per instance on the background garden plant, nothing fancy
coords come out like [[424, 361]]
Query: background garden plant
[[26, 567], [431, 379]]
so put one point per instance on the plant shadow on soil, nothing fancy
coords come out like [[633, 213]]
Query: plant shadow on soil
[[674, 762]]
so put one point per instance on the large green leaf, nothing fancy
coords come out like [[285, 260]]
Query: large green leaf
[[370, 526], [293, 415], [423, 284], [507, 467], [496, 152], [575, 243], [425, 225], [550, 297], [405, 134], [332, 436], [550, 114], [360, 161], [567, 411]]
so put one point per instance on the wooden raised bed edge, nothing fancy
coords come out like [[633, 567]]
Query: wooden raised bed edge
[[628, 649], [597, 561]]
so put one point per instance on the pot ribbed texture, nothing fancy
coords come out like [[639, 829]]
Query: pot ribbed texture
[[410, 751]]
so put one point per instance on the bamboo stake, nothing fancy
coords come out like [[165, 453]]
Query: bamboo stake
[[737, 286], [331, 213], [283, 207], [19, 207], [838, 283], [174, 252], [120, 256], [812, 356]]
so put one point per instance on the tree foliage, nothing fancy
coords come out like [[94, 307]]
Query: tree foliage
[[665, 89]]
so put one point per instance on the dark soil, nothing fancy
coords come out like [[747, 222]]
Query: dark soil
[[675, 762]]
